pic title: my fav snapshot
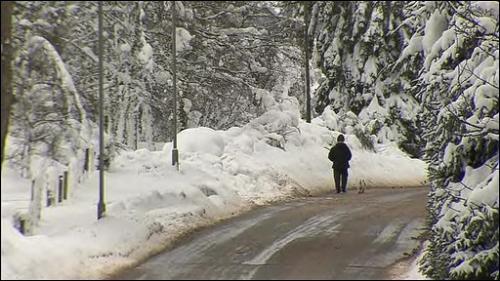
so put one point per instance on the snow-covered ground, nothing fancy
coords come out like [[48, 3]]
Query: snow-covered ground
[[149, 203], [413, 273]]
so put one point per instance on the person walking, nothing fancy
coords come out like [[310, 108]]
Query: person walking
[[340, 155]]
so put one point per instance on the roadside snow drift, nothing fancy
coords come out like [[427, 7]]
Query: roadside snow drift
[[149, 203]]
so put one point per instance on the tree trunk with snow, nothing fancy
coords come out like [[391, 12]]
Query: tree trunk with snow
[[7, 56]]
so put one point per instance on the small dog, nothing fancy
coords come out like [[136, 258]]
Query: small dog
[[362, 186]]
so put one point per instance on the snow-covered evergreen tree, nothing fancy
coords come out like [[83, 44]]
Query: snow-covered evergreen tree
[[458, 86], [49, 118], [358, 44], [380, 59]]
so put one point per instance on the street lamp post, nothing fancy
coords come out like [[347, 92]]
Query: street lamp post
[[175, 152], [101, 206], [306, 49]]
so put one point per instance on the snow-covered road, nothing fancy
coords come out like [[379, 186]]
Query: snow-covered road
[[346, 236]]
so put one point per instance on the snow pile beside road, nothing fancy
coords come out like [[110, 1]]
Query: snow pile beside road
[[150, 203]]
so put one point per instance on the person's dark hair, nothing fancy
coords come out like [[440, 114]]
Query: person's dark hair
[[340, 138]]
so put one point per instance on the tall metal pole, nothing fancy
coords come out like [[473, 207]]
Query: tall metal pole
[[175, 152], [101, 206], [306, 49]]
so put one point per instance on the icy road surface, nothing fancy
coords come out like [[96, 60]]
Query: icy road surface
[[336, 236]]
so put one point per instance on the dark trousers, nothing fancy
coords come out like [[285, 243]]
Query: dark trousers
[[340, 177]]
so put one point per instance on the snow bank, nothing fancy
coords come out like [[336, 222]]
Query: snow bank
[[201, 140], [149, 203]]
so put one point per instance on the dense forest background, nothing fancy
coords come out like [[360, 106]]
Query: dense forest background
[[421, 74]]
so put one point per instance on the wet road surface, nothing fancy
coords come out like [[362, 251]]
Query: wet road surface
[[336, 236]]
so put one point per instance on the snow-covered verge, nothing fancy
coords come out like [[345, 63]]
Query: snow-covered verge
[[149, 203], [414, 273]]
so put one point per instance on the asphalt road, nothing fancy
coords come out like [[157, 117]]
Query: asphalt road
[[336, 236]]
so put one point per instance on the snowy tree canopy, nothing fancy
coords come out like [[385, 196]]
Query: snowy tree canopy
[[423, 75]]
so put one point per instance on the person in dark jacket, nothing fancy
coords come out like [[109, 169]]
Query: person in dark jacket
[[340, 155]]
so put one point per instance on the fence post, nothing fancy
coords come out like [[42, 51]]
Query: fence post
[[91, 160], [32, 190], [50, 198], [106, 123], [22, 225], [60, 190], [35, 209], [65, 182], [87, 160]]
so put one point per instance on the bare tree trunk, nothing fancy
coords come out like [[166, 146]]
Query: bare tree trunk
[[7, 96]]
